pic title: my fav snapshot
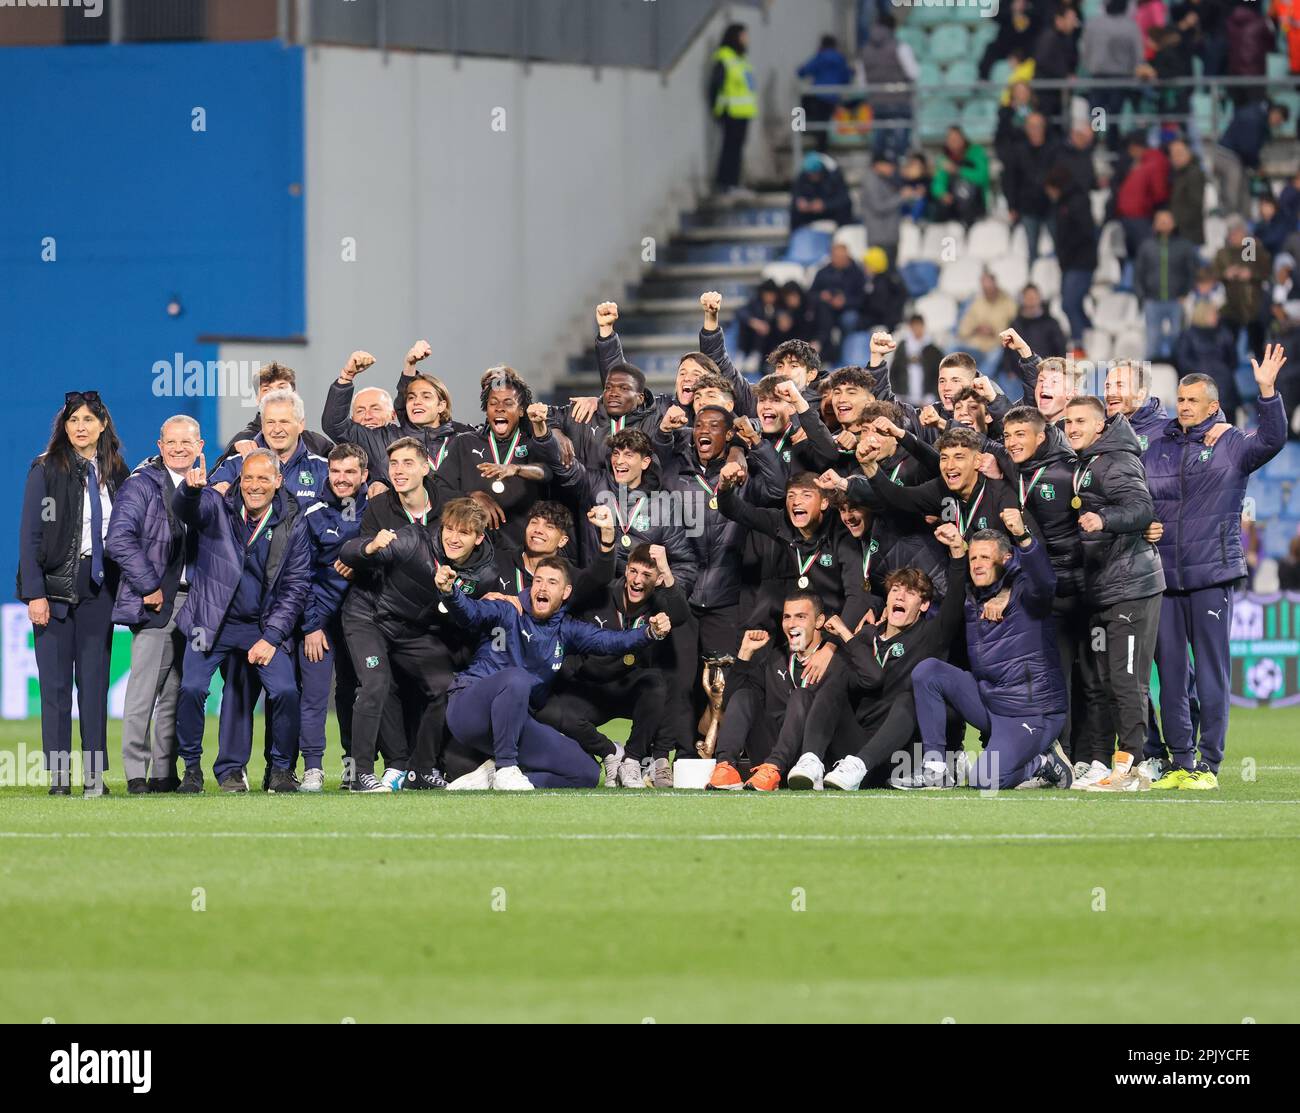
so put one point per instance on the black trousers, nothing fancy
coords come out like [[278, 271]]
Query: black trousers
[[582, 706], [75, 649], [732, 153], [746, 728], [383, 656], [1089, 717], [1128, 649]]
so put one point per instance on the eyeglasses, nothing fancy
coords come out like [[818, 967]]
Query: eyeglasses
[[84, 395]]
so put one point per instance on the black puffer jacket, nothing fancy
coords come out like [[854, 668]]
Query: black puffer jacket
[[1119, 564]]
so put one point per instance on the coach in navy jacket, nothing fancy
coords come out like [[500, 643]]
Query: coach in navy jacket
[[251, 581], [1198, 491]]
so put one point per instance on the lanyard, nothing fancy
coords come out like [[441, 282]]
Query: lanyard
[[442, 453], [1021, 480], [893, 475], [519, 582], [424, 517], [711, 491], [971, 516], [803, 680], [261, 524], [804, 565], [1082, 471], [881, 658], [780, 444], [510, 452]]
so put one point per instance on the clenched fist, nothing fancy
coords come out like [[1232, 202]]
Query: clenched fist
[[381, 540], [419, 350], [357, 362]]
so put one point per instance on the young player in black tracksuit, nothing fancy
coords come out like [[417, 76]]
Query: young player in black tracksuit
[[504, 466], [799, 438], [400, 627], [761, 685], [547, 534], [864, 712], [593, 690]]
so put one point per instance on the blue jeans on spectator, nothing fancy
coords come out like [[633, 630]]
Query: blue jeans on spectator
[[1074, 285], [1137, 230], [1033, 226], [1159, 314], [891, 142]]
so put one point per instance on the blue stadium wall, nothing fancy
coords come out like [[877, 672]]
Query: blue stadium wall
[[100, 154]]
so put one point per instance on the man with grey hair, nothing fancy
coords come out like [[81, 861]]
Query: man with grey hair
[[1198, 490], [283, 424], [372, 408], [156, 552], [271, 376]]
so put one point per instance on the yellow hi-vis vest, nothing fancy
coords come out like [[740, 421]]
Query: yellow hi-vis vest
[[736, 97]]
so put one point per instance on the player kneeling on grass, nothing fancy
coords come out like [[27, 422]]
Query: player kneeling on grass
[[764, 685], [490, 703], [1014, 692], [864, 712]]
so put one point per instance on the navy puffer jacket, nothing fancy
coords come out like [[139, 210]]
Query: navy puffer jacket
[[144, 538], [1198, 493]]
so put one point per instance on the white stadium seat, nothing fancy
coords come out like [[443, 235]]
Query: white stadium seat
[[1216, 233], [960, 279], [988, 240], [939, 311], [781, 273], [1164, 382], [1113, 309], [935, 240], [909, 242], [854, 237], [1011, 271], [1046, 275], [1131, 343], [1098, 344]]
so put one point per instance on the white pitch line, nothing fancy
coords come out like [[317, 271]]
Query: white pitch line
[[567, 836]]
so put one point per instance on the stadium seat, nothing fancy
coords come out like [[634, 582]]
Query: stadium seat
[[856, 350], [1277, 65], [988, 240], [961, 72], [909, 242], [948, 43], [1114, 309], [1000, 72], [1268, 499], [915, 37], [919, 276], [930, 75], [1011, 271], [781, 273], [854, 237], [1098, 344], [943, 241], [979, 120], [1108, 272], [937, 116], [1110, 243], [807, 246], [1097, 198], [960, 279], [1164, 379], [1046, 275], [939, 311]]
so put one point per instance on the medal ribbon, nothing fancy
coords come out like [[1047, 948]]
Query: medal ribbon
[[712, 491], [616, 424], [804, 565], [1024, 494], [261, 524], [631, 518], [881, 658], [442, 454], [1082, 470], [510, 452], [424, 518], [780, 444], [803, 680], [519, 581], [971, 516], [636, 625]]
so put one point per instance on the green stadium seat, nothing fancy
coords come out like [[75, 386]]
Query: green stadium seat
[[915, 37], [937, 115], [1000, 72], [931, 75], [949, 42], [961, 72], [979, 119], [1278, 65]]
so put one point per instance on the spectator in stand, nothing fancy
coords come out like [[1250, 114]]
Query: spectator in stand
[[1286, 14], [915, 187], [1207, 288], [1163, 275], [839, 286], [989, 313], [885, 295], [797, 318], [827, 67], [918, 361], [1273, 227], [1024, 170], [758, 319], [1111, 48], [1076, 156], [1016, 107], [819, 193], [1038, 328], [1286, 321], [1017, 31], [1201, 22], [734, 101], [880, 202], [886, 61], [1289, 199], [1206, 346], [1187, 192], [1250, 42], [1149, 16], [1236, 156], [1251, 547], [1288, 568], [961, 184], [1076, 247], [1056, 58], [1143, 190], [1244, 269], [1172, 61]]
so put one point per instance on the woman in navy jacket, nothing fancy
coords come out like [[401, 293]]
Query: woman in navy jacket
[[68, 583]]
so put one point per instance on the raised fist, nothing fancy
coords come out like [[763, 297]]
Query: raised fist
[[882, 343], [674, 418], [381, 540], [606, 316], [419, 350], [357, 362], [444, 578]]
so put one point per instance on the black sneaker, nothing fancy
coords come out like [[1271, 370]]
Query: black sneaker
[[60, 789], [1057, 770], [137, 786], [164, 784], [266, 778], [429, 780], [192, 782], [96, 788], [368, 782], [281, 781], [345, 782], [234, 782]]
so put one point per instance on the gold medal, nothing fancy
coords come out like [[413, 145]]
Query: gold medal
[[629, 658], [1076, 502], [627, 541], [713, 504]]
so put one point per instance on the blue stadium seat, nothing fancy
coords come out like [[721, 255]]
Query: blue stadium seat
[[856, 350], [1277, 536], [808, 246], [919, 277], [1268, 499]]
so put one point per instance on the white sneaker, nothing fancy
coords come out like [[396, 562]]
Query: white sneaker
[[846, 775], [1153, 768], [509, 778], [629, 773], [1085, 776], [312, 781], [476, 778], [611, 762], [395, 779], [1036, 782], [961, 769], [806, 774]]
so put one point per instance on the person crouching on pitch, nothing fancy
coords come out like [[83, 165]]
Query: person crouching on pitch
[[760, 688], [489, 704], [1014, 692]]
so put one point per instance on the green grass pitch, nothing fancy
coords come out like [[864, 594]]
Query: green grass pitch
[[677, 906]]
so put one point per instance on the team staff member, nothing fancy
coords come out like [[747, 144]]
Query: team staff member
[[250, 583], [68, 584], [304, 473], [1123, 582], [156, 555], [1198, 492], [490, 703], [1014, 691], [274, 376]]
